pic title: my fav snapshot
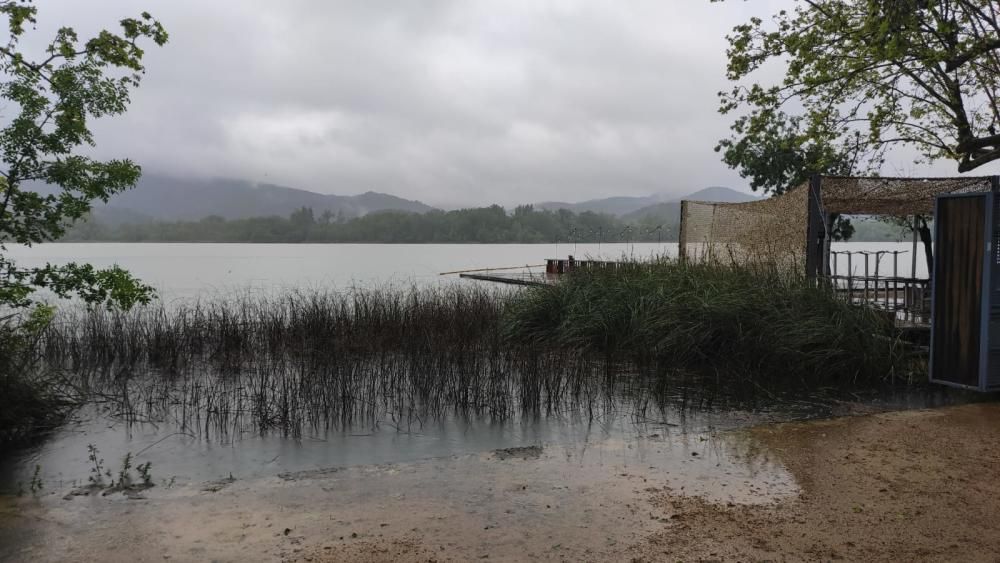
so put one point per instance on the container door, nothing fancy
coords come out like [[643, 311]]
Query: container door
[[957, 327]]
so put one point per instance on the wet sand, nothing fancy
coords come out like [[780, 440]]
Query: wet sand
[[905, 486], [914, 485]]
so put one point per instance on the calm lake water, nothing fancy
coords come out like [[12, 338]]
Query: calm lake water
[[184, 271]]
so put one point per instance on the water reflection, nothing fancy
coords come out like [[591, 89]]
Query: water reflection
[[629, 424]]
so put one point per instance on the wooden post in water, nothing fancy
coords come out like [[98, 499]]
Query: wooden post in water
[[814, 228]]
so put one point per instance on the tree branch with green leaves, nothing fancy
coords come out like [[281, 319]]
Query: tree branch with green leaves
[[861, 76], [53, 96]]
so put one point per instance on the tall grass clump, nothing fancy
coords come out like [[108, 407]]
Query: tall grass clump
[[31, 402], [319, 360], [246, 326], [737, 320]]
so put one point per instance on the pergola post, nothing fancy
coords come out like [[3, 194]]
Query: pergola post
[[815, 229], [827, 245]]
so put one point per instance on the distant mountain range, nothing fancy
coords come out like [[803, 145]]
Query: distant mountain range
[[635, 208], [162, 198], [166, 198], [668, 213], [611, 205], [657, 210]]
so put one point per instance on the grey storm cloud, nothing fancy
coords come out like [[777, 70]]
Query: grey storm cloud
[[453, 102]]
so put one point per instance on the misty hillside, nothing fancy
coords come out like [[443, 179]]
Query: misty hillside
[[669, 211], [167, 198], [624, 206], [611, 205], [720, 194]]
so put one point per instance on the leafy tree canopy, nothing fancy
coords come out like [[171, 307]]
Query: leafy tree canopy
[[49, 100], [861, 76]]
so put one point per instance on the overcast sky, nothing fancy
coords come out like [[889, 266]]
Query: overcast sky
[[453, 102]]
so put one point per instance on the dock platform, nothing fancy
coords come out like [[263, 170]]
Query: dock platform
[[529, 279]]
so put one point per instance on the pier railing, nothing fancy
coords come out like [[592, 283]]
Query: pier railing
[[566, 265], [871, 278]]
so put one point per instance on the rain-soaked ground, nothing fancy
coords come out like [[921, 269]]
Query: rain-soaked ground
[[573, 498], [567, 484]]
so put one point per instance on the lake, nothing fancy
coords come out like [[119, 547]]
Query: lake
[[185, 271]]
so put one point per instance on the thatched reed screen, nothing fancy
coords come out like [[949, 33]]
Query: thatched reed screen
[[896, 197], [769, 230], [778, 230]]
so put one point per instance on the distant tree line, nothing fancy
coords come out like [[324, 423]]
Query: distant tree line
[[491, 224]]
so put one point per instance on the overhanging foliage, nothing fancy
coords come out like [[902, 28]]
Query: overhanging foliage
[[50, 100], [861, 76]]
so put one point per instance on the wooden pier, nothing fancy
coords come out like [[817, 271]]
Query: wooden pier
[[510, 278], [554, 268]]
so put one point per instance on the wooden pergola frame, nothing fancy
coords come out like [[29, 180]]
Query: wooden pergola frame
[[819, 217]]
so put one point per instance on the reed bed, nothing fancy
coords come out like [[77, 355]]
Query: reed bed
[[638, 338], [319, 361], [300, 323], [753, 321]]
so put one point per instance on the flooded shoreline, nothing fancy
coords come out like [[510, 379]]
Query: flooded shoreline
[[565, 501], [869, 487], [188, 453]]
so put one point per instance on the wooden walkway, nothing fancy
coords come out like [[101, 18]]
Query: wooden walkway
[[511, 278]]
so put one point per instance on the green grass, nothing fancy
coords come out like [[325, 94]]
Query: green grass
[[741, 320]]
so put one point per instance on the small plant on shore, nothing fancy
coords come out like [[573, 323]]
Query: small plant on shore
[[124, 473], [145, 473], [36, 484], [125, 479], [97, 466]]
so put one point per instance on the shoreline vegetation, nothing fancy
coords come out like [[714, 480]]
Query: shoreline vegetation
[[644, 333], [486, 225]]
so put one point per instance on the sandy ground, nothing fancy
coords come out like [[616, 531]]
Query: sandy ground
[[906, 486]]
